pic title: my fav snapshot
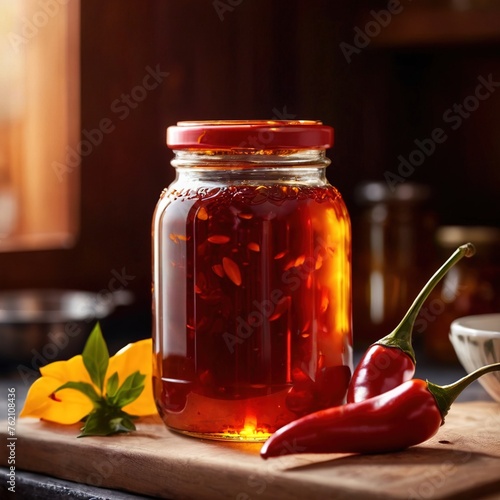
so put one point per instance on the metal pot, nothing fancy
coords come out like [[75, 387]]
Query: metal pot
[[41, 326]]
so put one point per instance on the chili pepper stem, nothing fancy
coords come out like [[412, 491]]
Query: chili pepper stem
[[400, 337], [446, 394]]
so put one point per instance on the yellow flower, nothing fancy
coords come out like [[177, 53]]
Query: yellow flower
[[133, 357], [69, 406]]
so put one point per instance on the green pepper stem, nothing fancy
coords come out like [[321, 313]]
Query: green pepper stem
[[401, 336], [446, 394]]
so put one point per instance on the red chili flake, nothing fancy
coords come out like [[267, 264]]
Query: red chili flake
[[321, 362], [218, 270], [176, 237], [232, 270], [254, 247], [279, 255], [319, 262], [281, 306], [324, 301], [309, 281], [202, 214], [300, 260], [295, 262], [218, 239]]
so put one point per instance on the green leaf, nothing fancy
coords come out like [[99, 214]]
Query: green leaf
[[84, 388], [112, 385], [106, 421], [129, 391], [96, 357]]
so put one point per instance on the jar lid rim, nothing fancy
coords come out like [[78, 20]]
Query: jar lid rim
[[250, 134]]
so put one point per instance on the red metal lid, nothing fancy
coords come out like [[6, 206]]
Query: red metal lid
[[250, 134]]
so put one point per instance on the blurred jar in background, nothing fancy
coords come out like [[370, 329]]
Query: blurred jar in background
[[472, 286], [392, 254]]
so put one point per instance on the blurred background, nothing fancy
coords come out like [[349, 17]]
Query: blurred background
[[411, 88]]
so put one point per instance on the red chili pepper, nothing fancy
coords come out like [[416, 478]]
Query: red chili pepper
[[402, 417], [391, 360]]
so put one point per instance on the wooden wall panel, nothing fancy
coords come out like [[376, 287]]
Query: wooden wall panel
[[261, 57]]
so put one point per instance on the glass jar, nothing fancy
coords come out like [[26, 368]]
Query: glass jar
[[393, 262], [472, 286], [251, 280]]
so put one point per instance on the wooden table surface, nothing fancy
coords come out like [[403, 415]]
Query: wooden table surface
[[461, 461]]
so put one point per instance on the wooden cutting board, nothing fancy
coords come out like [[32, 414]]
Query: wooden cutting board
[[461, 461]]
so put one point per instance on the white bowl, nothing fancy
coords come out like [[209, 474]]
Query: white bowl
[[476, 340]]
